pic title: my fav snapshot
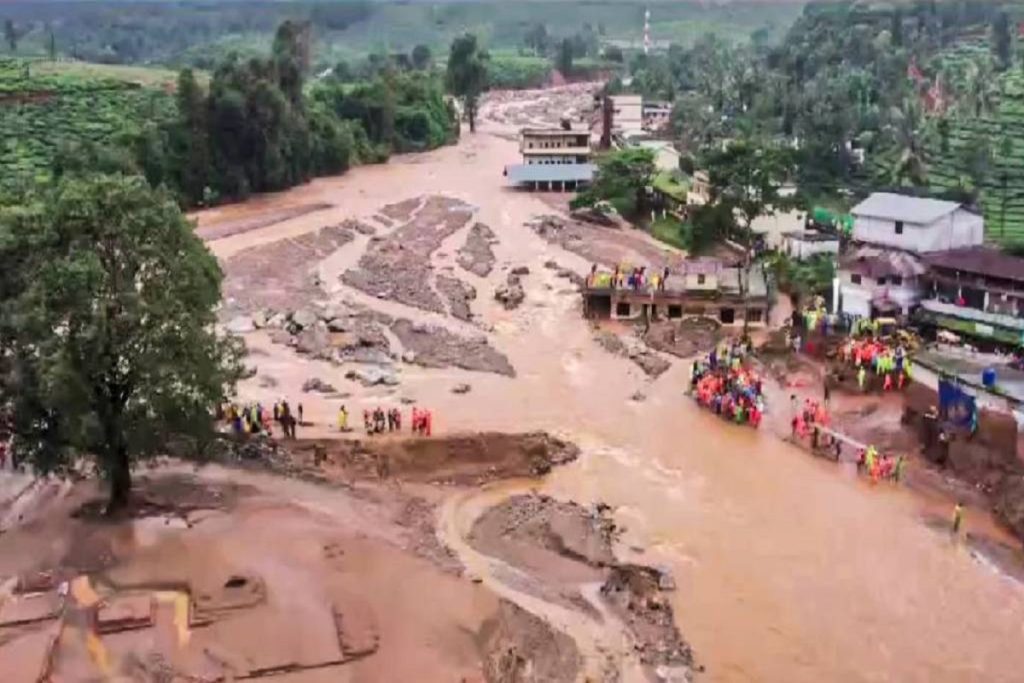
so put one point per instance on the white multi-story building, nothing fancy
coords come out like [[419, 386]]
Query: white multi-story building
[[882, 274]]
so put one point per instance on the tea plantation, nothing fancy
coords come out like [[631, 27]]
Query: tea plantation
[[40, 111]]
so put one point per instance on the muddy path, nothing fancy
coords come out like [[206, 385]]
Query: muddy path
[[787, 568]]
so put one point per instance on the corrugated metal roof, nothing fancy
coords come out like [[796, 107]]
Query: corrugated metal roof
[[973, 314], [981, 261], [898, 207], [542, 173]]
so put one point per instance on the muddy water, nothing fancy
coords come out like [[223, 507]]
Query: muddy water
[[788, 568]]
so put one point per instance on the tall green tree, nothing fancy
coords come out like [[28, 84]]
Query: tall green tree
[[107, 327], [537, 39], [291, 55], [11, 35], [191, 140], [467, 74], [565, 57], [622, 177], [747, 177], [421, 57], [1002, 40]]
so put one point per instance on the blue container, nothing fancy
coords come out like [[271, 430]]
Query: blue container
[[988, 377]]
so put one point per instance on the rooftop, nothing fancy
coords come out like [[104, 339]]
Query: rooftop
[[980, 260], [553, 132], [810, 236], [995, 319], [898, 207], [875, 262], [533, 173]]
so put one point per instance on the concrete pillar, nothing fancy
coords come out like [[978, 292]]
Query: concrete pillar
[[985, 306]]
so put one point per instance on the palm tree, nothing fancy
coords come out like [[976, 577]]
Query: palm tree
[[981, 95], [908, 132]]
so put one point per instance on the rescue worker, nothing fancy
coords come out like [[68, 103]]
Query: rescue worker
[[342, 419], [958, 517]]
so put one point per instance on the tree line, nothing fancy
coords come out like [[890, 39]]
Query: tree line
[[261, 125]]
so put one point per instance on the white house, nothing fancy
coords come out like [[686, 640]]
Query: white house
[[627, 114], [914, 224], [882, 275], [803, 244]]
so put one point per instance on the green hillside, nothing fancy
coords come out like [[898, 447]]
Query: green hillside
[[42, 109]]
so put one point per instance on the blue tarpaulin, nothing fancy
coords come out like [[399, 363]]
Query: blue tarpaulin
[[958, 406]]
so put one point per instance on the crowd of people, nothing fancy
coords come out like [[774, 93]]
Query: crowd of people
[[628, 277], [891, 365], [379, 421], [254, 418], [723, 383]]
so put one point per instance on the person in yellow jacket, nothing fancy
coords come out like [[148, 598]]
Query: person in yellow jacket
[[958, 518], [342, 419]]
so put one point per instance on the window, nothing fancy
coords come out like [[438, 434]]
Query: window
[[622, 309], [899, 227], [675, 311], [727, 316], [701, 279], [755, 315], [855, 278], [896, 280], [881, 281]]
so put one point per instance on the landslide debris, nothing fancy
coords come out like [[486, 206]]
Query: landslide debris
[[476, 255]]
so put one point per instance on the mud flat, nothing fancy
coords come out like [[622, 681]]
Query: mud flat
[[458, 294], [684, 339], [260, 220], [226, 573], [606, 246], [279, 275], [397, 267], [651, 363], [571, 547], [433, 346]]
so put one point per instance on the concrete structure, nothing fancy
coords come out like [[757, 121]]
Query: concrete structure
[[802, 244], [700, 189], [976, 291], [554, 146], [627, 114], [891, 233], [666, 156], [553, 159], [914, 224], [876, 282], [698, 287], [656, 115]]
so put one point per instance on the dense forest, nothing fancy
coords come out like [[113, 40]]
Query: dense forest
[[924, 96]]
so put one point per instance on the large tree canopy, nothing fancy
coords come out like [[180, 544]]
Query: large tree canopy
[[467, 74], [107, 334]]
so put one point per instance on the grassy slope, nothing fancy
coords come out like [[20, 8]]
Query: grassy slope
[[75, 103]]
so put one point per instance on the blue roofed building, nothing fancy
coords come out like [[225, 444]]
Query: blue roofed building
[[553, 160]]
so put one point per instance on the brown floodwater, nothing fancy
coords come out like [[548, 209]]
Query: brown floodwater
[[788, 568]]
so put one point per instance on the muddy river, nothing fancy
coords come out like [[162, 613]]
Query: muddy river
[[788, 569]]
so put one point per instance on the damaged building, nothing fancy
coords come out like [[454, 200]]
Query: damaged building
[[695, 288]]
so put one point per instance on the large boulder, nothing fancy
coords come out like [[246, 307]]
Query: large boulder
[[314, 341], [304, 318], [318, 385], [240, 325], [510, 294], [372, 375]]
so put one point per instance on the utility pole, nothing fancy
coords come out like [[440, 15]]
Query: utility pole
[[647, 31]]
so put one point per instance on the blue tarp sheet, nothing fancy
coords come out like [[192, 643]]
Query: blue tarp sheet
[[958, 406]]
